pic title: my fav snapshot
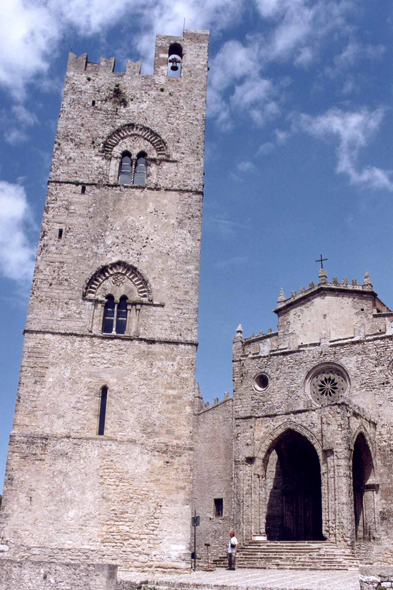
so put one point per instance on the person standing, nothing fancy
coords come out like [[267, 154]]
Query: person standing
[[232, 551]]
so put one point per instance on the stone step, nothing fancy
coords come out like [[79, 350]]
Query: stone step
[[292, 555], [290, 565], [303, 557], [297, 555]]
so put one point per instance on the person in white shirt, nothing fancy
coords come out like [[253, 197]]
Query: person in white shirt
[[232, 551]]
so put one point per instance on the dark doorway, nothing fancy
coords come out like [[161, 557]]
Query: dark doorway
[[363, 490], [294, 510]]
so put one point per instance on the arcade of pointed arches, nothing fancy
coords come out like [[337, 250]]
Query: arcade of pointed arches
[[291, 499]]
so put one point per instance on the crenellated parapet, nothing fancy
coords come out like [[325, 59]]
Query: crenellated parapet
[[323, 283], [81, 64], [327, 313]]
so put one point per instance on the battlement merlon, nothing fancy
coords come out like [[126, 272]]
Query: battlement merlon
[[329, 313], [81, 64]]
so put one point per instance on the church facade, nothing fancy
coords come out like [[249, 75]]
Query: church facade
[[303, 451], [112, 448]]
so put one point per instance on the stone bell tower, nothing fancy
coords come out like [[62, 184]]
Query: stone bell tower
[[100, 456]]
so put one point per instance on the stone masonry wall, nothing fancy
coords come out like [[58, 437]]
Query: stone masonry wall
[[213, 473], [123, 497], [25, 575], [376, 578]]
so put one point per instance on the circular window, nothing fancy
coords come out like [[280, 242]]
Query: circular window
[[261, 382], [328, 385]]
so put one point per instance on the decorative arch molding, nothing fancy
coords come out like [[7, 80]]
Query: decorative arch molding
[[119, 268], [268, 444], [130, 129]]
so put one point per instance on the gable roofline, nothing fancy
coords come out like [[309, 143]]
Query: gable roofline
[[335, 287]]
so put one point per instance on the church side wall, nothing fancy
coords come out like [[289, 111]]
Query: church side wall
[[213, 473]]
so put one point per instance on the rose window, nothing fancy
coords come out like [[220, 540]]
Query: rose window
[[328, 385]]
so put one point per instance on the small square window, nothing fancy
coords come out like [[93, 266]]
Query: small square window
[[218, 507]]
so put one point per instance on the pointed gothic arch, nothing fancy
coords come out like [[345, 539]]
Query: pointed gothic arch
[[130, 129], [365, 488], [293, 488], [123, 269], [270, 441], [361, 430]]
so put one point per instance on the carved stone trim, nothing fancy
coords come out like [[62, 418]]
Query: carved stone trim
[[119, 268], [134, 129]]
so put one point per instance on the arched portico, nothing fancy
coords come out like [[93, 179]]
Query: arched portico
[[293, 490], [289, 486]]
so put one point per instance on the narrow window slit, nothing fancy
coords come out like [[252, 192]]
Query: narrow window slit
[[218, 507], [83, 189], [101, 424], [93, 103], [60, 234]]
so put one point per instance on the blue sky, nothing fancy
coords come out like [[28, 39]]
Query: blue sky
[[299, 153]]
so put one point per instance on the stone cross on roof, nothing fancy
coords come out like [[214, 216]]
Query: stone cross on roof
[[321, 260]]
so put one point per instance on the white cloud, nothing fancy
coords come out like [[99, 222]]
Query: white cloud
[[354, 131], [281, 136], [229, 262], [252, 92], [28, 35], [16, 254], [31, 32], [266, 148], [301, 26], [304, 57], [15, 136], [296, 31], [227, 227], [245, 166], [351, 54], [236, 85], [24, 116], [15, 122]]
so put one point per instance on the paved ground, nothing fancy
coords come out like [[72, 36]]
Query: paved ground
[[251, 578]]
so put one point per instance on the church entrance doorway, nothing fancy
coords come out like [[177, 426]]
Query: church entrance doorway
[[364, 490], [293, 478]]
